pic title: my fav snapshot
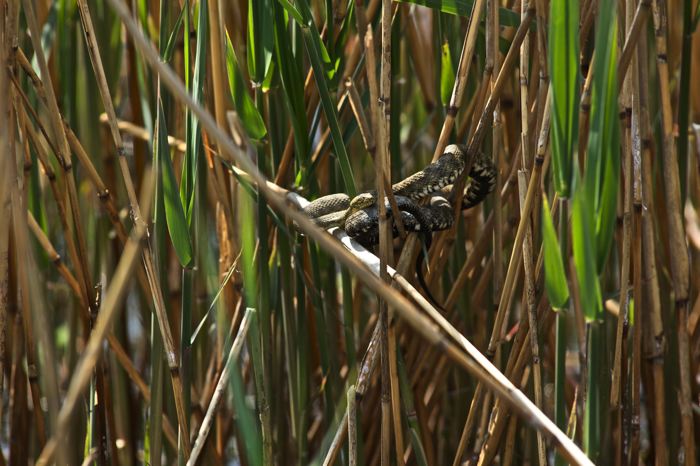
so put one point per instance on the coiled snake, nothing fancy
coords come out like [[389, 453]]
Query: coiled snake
[[360, 218]]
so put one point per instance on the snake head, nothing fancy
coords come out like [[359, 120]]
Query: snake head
[[459, 150], [359, 202], [362, 201]]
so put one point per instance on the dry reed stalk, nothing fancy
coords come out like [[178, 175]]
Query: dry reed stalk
[[34, 322], [147, 253], [59, 195], [63, 154], [427, 327], [520, 356], [475, 142], [234, 352], [619, 379], [356, 105], [509, 447], [111, 305], [676, 237], [493, 67], [475, 257], [382, 116], [471, 417], [654, 344], [530, 292], [367, 366], [37, 335], [352, 426], [527, 247], [634, 32], [18, 402], [220, 90], [638, 122], [465, 61], [134, 375], [5, 208]]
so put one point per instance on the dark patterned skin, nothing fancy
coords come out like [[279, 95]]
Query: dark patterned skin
[[359, 216]]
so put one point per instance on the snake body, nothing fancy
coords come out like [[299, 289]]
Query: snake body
[[359, 216]]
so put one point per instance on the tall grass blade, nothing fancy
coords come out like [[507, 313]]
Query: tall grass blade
[[261, 42], [602, 169], [447, 75], [584, 247], [174, 213], [293, 86], [506, 17], [554, 272], [193, 133], [563, 66], [245, 419], [319, 63], [172, 39], [250, 117]]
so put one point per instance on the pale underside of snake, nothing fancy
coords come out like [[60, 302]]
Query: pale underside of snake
[[359, 216]]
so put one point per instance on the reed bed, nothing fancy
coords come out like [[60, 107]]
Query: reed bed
[[163, 300]]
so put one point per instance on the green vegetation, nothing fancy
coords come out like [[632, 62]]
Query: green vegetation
[[164, 301]]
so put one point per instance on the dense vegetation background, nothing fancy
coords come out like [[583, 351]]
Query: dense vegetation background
[[162, 301]]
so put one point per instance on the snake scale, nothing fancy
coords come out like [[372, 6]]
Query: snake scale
[[360, 218]]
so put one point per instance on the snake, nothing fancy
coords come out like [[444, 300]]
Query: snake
[[359, 216]]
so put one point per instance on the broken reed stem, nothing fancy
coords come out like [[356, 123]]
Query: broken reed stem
[[356, 105]]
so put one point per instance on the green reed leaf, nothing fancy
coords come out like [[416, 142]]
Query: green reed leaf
[[447, 74], [174, 213], [251, 119], [319, 57], [506, 16], [563, 66], [583, 241], [261, 45], [554, 272], [603, 158]]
